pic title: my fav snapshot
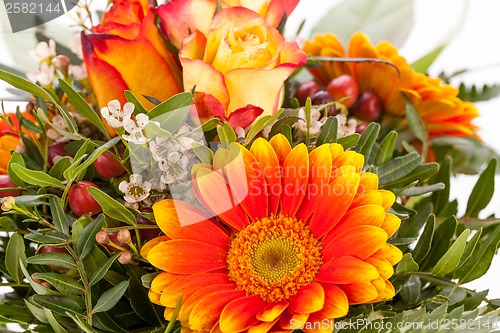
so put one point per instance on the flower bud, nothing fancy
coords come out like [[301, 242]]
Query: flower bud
[[306, 89], [8, 204], [61, 63], [102, 237], [6, 182], [56, 151], [34, 278], [124, 258], [113, 238], [46, 284], [80, 200], [342, 87], [368, 107], [108, 167], [123, 236]]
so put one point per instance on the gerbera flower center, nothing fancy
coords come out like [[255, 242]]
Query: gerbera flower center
[[274, 257]]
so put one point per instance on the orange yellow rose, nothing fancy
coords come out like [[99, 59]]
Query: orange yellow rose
[[242, 61]]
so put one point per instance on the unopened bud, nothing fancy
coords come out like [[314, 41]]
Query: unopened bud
[[61, 63], [46, 284], [102, 237], [34, 278], [124, 236], [124, 258], [8, 204]]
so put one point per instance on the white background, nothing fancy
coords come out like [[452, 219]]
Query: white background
[[477, 45]]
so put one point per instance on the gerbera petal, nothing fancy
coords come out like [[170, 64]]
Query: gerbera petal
[[212, 190], [272, 311], [151, 244], [368, 182], [388, 199], [154, 297], [391, 253], [336, 303], [295, 179], [262, 327], [367, 198], [270, 166], [383, 266], [190, 302], [163, 280], [190, 284], [319, 325], [345, 270], [206, 313], [243, 171], [379, 284], [281, 147], [359, 292], [391, 224], [169, 214], [184, 256], [293, 322], [320, 160], [387, 293], [335, 149], [364, 215], [360, 242], [340, 194], [310, 298], [348, 158], [240, 314]]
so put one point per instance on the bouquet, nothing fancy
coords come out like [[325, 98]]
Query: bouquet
[[184, 167]]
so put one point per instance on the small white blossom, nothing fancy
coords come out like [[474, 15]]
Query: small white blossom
[[174, 167], [76, 45], [44, 75], [162, 146], [135, 190], [114, 114], [44, 52], [315, 122], [78, 72], [186, 146], [240, 132], [345, 127], [135, 128], [59, 122]]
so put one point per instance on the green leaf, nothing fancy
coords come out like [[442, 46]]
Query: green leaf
[[57, 259], [376, 18], [471, 245], [102, 269], [58, 304], [205, 154], [15, 256], [36, 310], [416, 123], [59, 218], [422, 65], [419, 174], [441, 242], [111, 207], [419, 190], [176, 102], [53, 322], [140, 301], [281, 123], [441, 198], [83, 107], [407, 265], [226, 134], [86, 241], [139, 108], [348, 141], [34, 177], [16, 158], [474, 94], [37, 287], [397, 168], [480, 260], [483, 191], [410, 292], [367, 140], [25, 85], [451, 258], [177, 309], [7, 224], [262, 123], [62, 164], [81, 324], [328, 133], [51, 237], [110, 297], [386, 149], [424, 242], [62, 283]]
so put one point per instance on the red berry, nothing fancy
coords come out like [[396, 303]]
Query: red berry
[[361, 128], [147, 234], [108, 167], [80, 200], [56, 151], [344, 86], [368, 107], [6, 182], [113, 237], [306, 89]]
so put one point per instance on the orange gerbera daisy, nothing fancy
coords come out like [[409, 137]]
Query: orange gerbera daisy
[[296, 237], [437, 103]]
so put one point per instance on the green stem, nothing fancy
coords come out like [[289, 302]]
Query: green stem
[[86, 284], [24, 285]]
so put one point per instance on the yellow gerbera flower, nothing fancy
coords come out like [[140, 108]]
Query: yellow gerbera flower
[[296, 237], [437, 103]]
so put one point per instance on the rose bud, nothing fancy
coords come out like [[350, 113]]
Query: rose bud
[[342, 87], [123, 236], [368, 107], [124, 258], [6, 182], [56, 151], [108, 167], [306, 89], [102, 237], [80, 200], [61, 63]]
